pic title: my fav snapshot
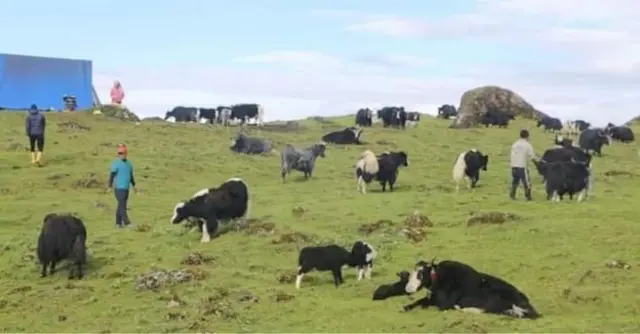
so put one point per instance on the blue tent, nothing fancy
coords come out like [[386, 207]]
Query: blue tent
[[26, 80]]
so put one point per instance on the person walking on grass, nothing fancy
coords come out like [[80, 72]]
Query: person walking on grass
[[35, 124], [121, 180], [521, 153]]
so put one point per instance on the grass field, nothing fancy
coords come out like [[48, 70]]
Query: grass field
[[556, 253]]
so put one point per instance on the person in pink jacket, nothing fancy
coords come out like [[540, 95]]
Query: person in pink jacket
[[117, 93]]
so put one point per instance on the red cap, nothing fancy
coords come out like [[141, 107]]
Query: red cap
[[122, 149]]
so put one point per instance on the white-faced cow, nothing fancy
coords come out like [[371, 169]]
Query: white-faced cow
[[211, 205], [457, 286], [468, 166], [344, 137], [62, 237], [333, 258]]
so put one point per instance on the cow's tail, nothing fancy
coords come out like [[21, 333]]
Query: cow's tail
[[459, 168], [260, 117]]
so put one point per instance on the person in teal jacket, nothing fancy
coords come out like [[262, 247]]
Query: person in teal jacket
[[121, 180]]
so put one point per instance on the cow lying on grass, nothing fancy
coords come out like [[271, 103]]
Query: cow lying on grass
[[62, 237], [456, 285], [394, 289]]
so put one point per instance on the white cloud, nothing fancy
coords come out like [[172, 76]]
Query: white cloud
[[601, 82]]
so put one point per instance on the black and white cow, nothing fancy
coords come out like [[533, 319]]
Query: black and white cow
[[565, 178], [182, 114], [447, 111], [455, 285], [211, 205], [207, 115], [393, 116], [364, 117], [493, 116], [333, 258], [245, 112], [468, 166], [620, 133], [250, 145], [385, 291], [413, 118], [347, 136], [62, 237], [593, 139], [388, 166], [565, 153], [550, 123]]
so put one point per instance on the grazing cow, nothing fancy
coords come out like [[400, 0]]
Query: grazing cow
[[347, 136], [467, 166], [620, 133], [413, 118], [565, 178], [581, 125], [250, 145], [388, 165], [455, 285], [593, 139], [446, 111], [364, 117], [333, 258], [182, 114], [207, 115], [366, 170], [394, 289], [565, 153], [245, 112], [300, 160], [393, 116], [211, 205], [550, 123], [495, 117], [224, 115], [62, 237]]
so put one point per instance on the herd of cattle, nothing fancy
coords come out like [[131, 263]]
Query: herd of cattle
[[566, 169]]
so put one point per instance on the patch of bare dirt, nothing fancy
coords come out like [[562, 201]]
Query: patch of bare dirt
[[493, 218], [416, 227], [294, 238], [15, 147], [70, 126], [196, 259], [163, 278], [90, 181], [368, 228], [620, 173]]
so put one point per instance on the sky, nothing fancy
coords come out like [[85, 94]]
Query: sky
[[570, 59]]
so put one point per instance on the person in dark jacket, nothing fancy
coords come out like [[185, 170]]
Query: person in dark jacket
[[121, 180], [35, 124]]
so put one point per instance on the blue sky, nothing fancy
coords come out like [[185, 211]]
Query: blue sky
[[571, 59]]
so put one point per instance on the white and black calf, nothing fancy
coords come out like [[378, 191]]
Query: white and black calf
[[62, 237], [413, 118], [344, 137], [207, 115], [212, 205], [455, 285], [389, 164], [385, 291], [333, 258], [468, 166]]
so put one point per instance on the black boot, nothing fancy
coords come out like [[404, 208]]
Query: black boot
[[527, 194], [512, 193]]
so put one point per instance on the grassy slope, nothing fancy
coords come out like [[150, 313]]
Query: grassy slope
[[556, 255]]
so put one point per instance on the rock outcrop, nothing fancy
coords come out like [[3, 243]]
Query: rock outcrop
[[115, 111], [474, 103]]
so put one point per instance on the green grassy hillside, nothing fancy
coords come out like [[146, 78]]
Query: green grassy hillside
[[555, 252]]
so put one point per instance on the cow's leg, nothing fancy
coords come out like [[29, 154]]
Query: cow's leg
[[43, 272], [337, 273], [359, 272], [52, 267], [423, 302], [368, 270], [302, 270], [582, 195]]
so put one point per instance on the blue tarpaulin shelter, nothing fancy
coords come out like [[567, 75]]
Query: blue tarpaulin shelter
[[26, 80]]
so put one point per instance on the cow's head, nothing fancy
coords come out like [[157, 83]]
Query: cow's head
[[179, 213], [404, 276], [422, 276], [403, 159], [319, 149], [484, 159]]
